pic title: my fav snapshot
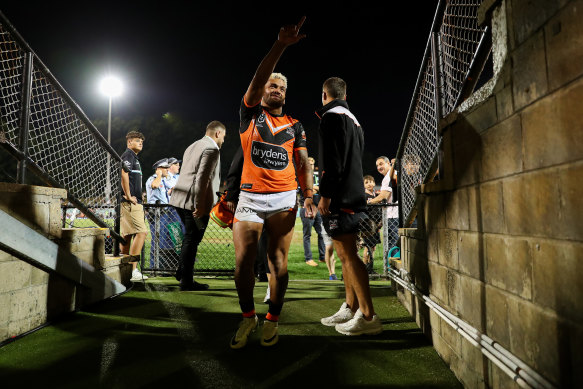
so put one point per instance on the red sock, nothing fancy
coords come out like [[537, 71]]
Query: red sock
[[249, 314], [271, 317]]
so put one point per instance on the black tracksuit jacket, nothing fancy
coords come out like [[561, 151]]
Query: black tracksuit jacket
[[341, 146]]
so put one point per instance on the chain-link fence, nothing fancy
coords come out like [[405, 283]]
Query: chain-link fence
[[380, 226], [454, 57], [48, 134], [161, 253]]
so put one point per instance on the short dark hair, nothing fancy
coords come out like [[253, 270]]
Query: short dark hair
[[215, 125], [368, 178], [335, 87], [135, 134]]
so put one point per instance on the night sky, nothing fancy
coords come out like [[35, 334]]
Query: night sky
[[197, 60]]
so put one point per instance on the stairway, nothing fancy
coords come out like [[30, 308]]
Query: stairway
[[47, 270]]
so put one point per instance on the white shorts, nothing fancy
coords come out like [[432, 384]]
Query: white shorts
[[326, 237], [258, 207]]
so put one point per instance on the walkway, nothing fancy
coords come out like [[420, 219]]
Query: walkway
[[155, 336]]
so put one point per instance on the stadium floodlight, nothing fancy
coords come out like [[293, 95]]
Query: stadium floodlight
[[112, 87]]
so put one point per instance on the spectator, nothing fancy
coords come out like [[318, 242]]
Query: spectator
[[194, 196], [156, 189], [342, 204], [173, 174], [132, 225], [308, 223], [157, 193], [370, 226], [387, 169]]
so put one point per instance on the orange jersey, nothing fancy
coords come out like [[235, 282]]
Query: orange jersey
[[268, 142]]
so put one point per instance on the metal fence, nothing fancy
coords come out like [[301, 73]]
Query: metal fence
[[378, 233], [161, 253], [379, 227], [456, 52], [48, 134]]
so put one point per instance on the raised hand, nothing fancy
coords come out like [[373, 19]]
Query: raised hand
[[288, 35]]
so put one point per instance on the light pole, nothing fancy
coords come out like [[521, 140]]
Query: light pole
[[111, 87]]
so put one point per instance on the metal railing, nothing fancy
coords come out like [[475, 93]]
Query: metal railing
[[43, 128], [455, 54]]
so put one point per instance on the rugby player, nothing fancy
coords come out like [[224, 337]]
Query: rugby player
[[269, 139]]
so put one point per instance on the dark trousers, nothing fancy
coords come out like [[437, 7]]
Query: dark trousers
[[307, 224], [195, 228]]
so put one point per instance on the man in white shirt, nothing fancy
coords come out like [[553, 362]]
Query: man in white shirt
[[387, 168]]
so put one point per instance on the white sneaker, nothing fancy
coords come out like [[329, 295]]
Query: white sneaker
[[137, 276], [247, 326], [342, 316], [267, 295], [358, 325], [269, 336]]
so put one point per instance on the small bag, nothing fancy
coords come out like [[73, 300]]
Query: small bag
[[222, 215], [394, 252]]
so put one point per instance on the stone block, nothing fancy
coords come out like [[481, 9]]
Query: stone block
[[530, 15], [504, 103], [564, 40], [452, 338], [435, 211], [491, 202], [88, 244], [537, 337], [443, 349], [553, 128], [473, 359], [471, 254], [14, 275], [557, 270], [472, 301], [457, 213], [448, 251], [454, 292], [483, 116], [496, 306], [38, 207], [499, 379], [570, 222], [530, 204], [433, 245], [438, 288], [38, 277], [502, 149], [435, 322], [5, 304], [5, 257], [466, 149], [474, 208], [529, 71], [509, 264]]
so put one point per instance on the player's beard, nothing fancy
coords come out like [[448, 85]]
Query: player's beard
[[273, 104]]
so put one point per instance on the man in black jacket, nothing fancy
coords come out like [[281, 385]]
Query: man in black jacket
[[342, 205]]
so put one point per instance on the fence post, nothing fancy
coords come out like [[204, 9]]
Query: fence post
[[25, 116]]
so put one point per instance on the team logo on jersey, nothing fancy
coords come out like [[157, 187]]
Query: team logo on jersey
[[268, 156], [290, 131]]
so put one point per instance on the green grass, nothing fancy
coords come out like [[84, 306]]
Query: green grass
[[155, 336], [216, 251]]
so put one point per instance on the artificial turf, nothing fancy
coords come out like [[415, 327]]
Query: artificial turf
[[156, 336]]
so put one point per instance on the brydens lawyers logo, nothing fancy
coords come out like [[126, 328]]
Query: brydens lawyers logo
[[268, 156]]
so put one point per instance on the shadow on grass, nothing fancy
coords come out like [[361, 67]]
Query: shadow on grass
[[156, 337]]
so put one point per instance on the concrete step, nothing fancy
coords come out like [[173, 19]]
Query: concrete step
[[87, 244], [118, 268]]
